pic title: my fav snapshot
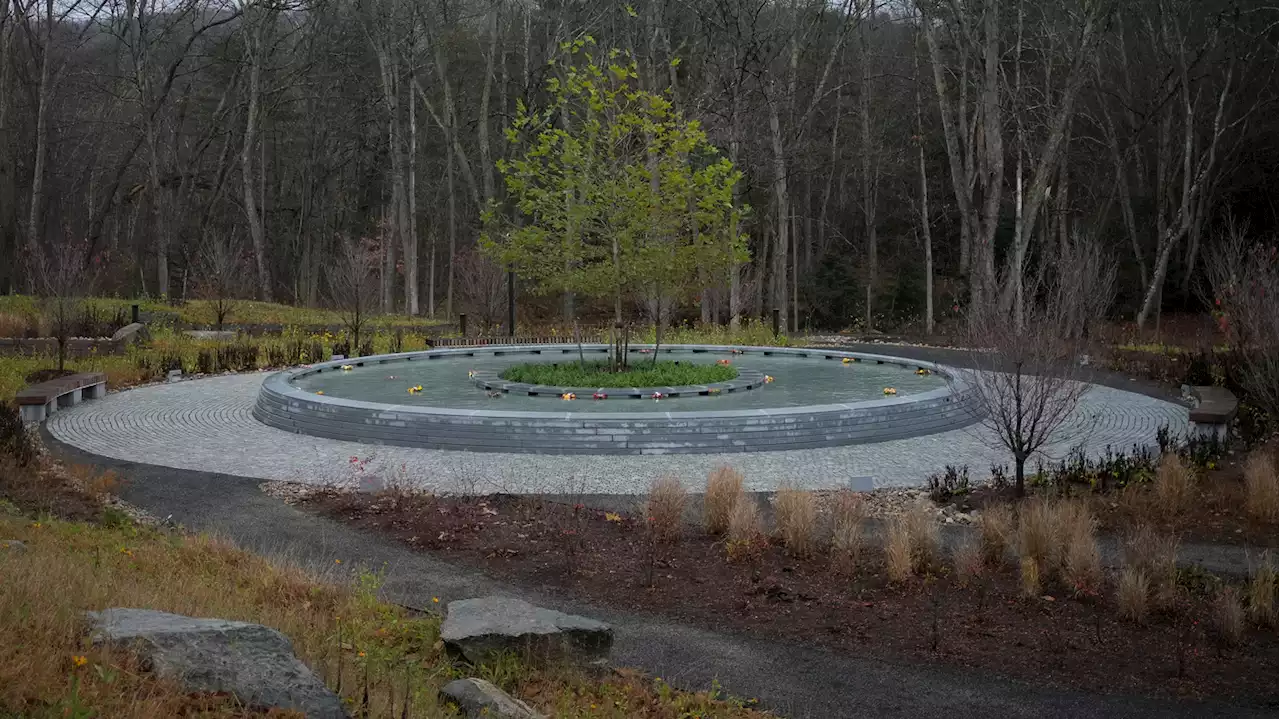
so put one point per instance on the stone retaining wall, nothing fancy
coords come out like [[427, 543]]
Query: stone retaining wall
[[283, 405]]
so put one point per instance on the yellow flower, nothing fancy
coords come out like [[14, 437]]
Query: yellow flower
[[337, 561], [768, 379], [79, 660], [435, 600], [36, 525], [320, 391], [612, 517]]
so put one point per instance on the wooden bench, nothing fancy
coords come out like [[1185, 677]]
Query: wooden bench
[[1215, 409], [38, 401]]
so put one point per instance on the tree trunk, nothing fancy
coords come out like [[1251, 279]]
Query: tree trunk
[[35, 213], [254, 50], [925, 233], [782, 207]]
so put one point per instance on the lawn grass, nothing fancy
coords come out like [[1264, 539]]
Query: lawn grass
[[642, 373], [359, 644]]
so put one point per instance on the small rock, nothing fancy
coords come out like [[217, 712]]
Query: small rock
[[254, 663], [479, 698], [479, 629], [12, 545]]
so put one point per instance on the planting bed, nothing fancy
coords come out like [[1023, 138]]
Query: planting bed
[[606, 558]]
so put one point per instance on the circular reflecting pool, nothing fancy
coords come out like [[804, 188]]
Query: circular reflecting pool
[[797, 382]]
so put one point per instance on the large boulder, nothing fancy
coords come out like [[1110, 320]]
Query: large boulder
[[479, 629], [479, 698], [252, 662]]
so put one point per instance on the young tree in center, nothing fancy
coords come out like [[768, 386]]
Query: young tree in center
[[617, 194]]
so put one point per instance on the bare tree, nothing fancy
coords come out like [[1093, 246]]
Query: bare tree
[[66, 274], [221, 278], [1243, 284], [482, 286], [354, 284], [1027, 381]]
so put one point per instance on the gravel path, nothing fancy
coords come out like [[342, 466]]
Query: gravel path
[[205, 424]]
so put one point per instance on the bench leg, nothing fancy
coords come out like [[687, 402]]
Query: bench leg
[[97, 391], [70, 399], [32, 412], [50, 407], [1208, 430]]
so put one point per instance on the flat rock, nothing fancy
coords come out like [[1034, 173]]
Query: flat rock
[[479, 629], [479, 698], [12, 545], [253, 662], [130, 333]]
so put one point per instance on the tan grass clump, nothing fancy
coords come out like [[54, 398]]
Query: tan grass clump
[[665, 508], [1081, 568], [1262, 485], [796, 516], [1030, 578], [1227, 615], [925, 537], [897, 550], [1174, 486], [968, 560], [744, 521], [724, 486], [1132, 592], [1038, 537], [1261, 593], [1155, 555], [996, 525], [848, 514]]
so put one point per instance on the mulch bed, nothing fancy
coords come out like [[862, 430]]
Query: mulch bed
[[607, 559]]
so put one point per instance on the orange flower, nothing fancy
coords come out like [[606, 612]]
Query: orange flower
[[79, 660]]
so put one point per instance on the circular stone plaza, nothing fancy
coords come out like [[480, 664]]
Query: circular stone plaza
[[445, 420]]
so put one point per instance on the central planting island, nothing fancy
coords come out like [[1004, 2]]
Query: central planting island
[[455, 399]]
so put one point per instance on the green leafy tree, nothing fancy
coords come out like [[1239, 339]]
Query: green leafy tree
[[617, 195]]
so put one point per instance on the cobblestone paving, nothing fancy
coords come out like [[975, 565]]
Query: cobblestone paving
[[205, 424]]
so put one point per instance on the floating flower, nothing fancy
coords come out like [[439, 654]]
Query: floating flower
[[391, 376], [714, 390], [568, 396], [768, 378], [471, 373], [415, 389], [890, 391], [656, 396], [722, 362], [319, 391], [847, 360], [347, 368], [735, 352], [599, 395], [922, 371]]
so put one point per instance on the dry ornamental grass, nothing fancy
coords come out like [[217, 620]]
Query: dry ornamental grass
[[796, 512], [1262, 486], [1132, 590], [665, 508], [1262, 594], [1227, 614], [724, 487], [1174, 486], [848, 513], [969, 562], [897, 550], [996, 526]]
